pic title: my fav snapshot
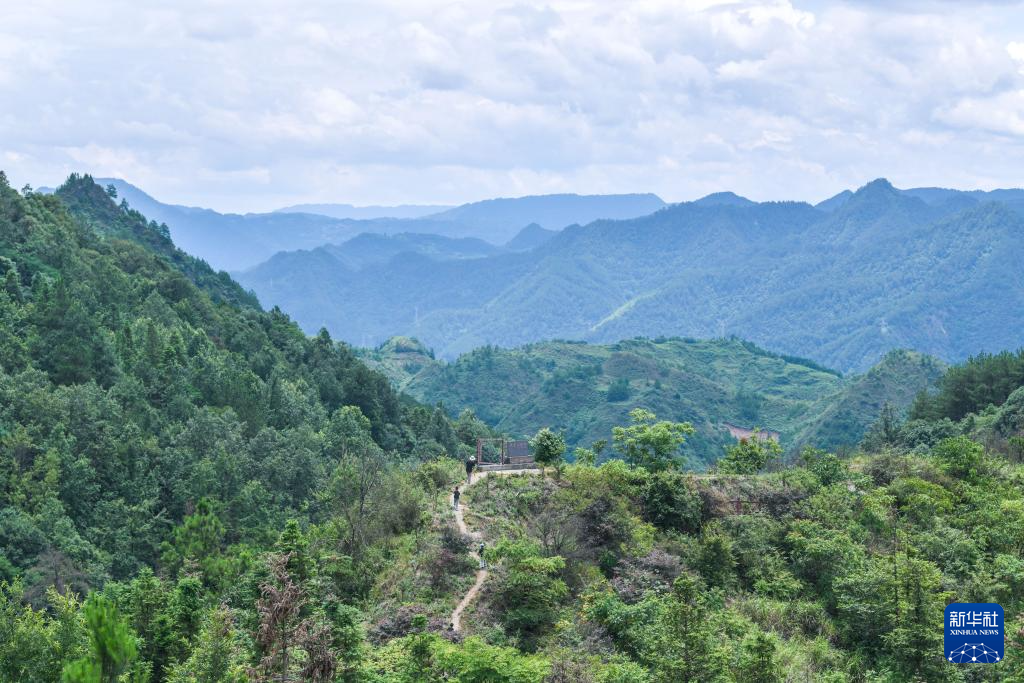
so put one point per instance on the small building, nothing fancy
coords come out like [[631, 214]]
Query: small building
[[744, 433]]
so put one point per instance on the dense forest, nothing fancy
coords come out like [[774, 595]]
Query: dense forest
[[194, 490]]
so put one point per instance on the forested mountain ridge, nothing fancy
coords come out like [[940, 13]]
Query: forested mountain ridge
[[584, 390], [884, 269], [372, 249], [231, 241], [936, 196], [90, 204], [893, 384], [137, 384]]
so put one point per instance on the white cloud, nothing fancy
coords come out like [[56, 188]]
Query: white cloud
[[245, 106], [1016, 52], [1002, 113]]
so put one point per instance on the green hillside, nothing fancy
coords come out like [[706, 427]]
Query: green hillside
[[137, 384], [585, 389], [840, 420]]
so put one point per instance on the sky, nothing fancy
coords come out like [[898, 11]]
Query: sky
[[249, 106]]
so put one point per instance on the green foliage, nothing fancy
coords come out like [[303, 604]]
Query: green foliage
[[749, 456], [649, 443], [670, 502], [716, 559], [960, 456], [417, 659], [827, 468], [216, 656], [985, 379], [548, 447], [36, 645], [113, 645], [530, 593], [618, 390], [198, 540], [758, 663]]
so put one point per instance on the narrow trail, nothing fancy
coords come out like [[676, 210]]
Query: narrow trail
[[481, 574]]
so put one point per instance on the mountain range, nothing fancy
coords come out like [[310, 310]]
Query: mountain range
[[235, 242], [840, 283]]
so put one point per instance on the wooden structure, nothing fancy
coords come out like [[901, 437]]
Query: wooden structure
[[502, 451]]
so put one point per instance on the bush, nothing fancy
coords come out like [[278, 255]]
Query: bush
[[827, 468], [749, 456], [1010, 418], [960, 457], [670, 503], [530, 595], [619, 390]]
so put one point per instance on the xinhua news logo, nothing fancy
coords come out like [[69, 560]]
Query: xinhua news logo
[[974, 633]]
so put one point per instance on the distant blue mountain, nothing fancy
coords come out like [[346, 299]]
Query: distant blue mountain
[[233, 241], [498, 220], [935, 196], [371, 249], [367, 212], [834, 202], [236, 242]]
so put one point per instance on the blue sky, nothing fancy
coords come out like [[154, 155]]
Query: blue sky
[[247, 106]]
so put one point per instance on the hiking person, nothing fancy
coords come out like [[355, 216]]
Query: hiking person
[[470, 466], [480, 550], [456, 494]]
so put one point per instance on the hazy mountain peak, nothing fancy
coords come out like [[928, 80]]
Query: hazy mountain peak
[[724, 199], [403, 344], [530, 237], [835, 201], [877, 187], [879, 198]]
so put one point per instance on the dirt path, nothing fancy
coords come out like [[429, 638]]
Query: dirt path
[[481, 574]]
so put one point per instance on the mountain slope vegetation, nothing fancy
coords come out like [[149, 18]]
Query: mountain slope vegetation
[[884, 270], [584, 390], [138, 385], [893, 385]]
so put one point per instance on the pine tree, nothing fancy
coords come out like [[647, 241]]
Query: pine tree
[[113, 646]]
